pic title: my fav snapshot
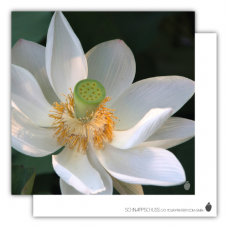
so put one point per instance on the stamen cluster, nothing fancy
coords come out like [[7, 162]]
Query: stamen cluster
[[73, 131]]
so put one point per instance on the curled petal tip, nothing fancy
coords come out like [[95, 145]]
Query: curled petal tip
[[20, 40]]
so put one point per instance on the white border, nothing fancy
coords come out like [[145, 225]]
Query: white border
[[205, 161]]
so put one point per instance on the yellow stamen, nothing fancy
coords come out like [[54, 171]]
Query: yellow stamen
[[72, 131]]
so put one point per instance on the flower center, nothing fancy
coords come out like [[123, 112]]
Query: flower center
[[88, 95], [73, 130]]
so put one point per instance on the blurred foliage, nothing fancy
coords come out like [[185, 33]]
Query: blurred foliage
[[30, 26], [47, 184], [43, 164], [22, 180], [162, 44]]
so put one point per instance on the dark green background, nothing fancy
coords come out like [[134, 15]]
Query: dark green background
[[162, 44]]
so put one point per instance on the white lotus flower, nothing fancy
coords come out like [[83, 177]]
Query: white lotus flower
[[134, 151]]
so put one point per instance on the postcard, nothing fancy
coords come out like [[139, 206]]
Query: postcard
[[104, 114]]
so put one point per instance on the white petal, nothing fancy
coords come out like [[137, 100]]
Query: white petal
[[173, 132], [30, 139], [112, 64], [126, 188], [147, 165], [31, 56], [107, 180], [149, 124], [75, 169], [66, 189], [28, 97], [157, 92], [65, 60]]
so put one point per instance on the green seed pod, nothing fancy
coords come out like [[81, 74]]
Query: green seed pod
[[88, 94]]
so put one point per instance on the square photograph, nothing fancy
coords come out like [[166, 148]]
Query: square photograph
[[102, 103]]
